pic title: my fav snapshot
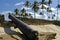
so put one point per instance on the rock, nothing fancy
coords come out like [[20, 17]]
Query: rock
[[47, 36]]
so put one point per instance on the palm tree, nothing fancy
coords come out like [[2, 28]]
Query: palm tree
[[23, 11], [58, 6], [49, 2], [53, 16], [35, 8], [16, 11], [41, 13], [49, 9], [43, 2], [27, 4]]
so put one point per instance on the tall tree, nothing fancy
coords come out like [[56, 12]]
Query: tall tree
[[49, 8], [58, 6], [49, 2], [53, 16], [23, 11], [43, 2], [27, 4], [35, 8], [16, 11]]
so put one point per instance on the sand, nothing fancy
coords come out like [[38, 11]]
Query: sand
[[15, 34]]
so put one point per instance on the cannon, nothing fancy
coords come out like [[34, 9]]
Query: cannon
[[24, 28]]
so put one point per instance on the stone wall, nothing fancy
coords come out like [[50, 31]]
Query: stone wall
[[47, 36], [38, 21]]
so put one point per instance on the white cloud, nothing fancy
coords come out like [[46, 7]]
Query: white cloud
[[43, 5], [53, 9], [6, 12], [31, 13], [47, 7], [20, 3], [45, 16], [25, 8], [59, 15], [41, 16], [38, 16]]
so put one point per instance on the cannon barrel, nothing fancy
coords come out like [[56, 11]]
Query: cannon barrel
[[23, 27]]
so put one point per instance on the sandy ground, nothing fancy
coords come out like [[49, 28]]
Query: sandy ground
[[11, 34], [15, 34], [48, 28]]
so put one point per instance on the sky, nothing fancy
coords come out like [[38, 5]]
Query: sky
[[7, 6]]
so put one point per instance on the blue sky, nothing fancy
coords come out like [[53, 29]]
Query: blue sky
[[6, 5], [9, 5]]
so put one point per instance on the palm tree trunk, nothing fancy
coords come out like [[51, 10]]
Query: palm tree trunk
[[51, 12], [42, 9], [27, 9], [34, 15], [57, 12]]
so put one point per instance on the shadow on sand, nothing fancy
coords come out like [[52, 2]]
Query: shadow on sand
[[12, 32]]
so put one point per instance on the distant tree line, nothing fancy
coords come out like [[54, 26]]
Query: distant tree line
[[35, 8]]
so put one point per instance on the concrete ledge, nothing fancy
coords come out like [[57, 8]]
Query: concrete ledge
[[39, 21]]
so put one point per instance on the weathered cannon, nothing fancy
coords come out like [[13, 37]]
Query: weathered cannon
[[28, 32]]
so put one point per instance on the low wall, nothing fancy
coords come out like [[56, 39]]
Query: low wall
[[47, 36], [39, 21]]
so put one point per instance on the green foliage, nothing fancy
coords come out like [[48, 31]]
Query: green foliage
[[43, 2], [50, 2], [49, 10], [35, 7], [23, 11], [41, 13], [27, 3], [58, 6], [36, 3], [1, 18], [26, 14], [16, 11], [43, 7], [48, 16]]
